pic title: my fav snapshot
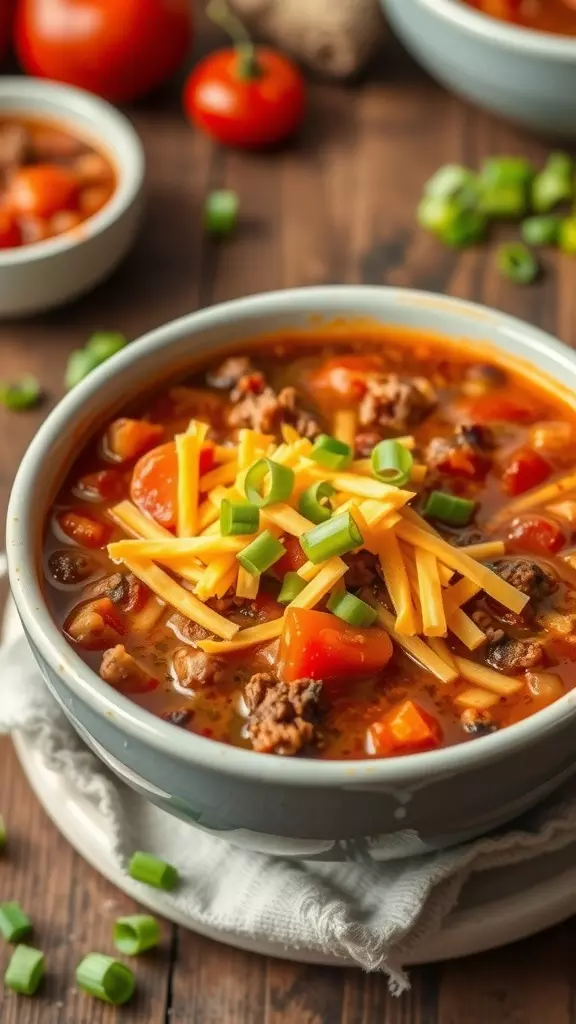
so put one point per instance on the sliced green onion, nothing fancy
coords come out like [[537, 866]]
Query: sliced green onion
[[449, 181], [104, 344], [23, 394], [504, 202], [280, 484], [136, 934], [292, 585], [517, 263], [314, 504], [238, 517], [453, 224], [105, 978], [261, 554], [3, 833], [331, 453], [567, 235], [81, 362], [144, 867], [15, 925], [25, 970], [221, 212], [351, 609], [541, 230], [554, 184], [501, 171], [449, 509], [392, 463], [336, 536]]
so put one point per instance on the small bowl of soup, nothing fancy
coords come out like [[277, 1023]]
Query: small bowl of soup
[[71, 178], [514, 57], [300, 568]]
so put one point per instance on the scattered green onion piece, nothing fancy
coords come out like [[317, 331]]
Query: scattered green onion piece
[[15, 925], [466, 228], [453, 224], [238, 517], [336, 536], [106, 979], [351, 609], [392, 463], [502, 171], [136, 934], [292, 585], [567, 235], [280, 484], [331, 453], [81, 362], [261, 554], [449, 181], [3, 833], [221, 212], [25, 970], [314, 503], [542, 230], [24, 394], [517, 263], [144, 867], [449, 509], [554, 184], [504, 202], [104, 344]]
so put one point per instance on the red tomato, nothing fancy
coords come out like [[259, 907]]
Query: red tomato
[[10, 234], [535, 534], [501, 407], [243, 108], [317, 645], [42, 190], [344, 377], [119, 49], [407, 727], [525, 469], [104, 485], [126, 439], [292, 560]]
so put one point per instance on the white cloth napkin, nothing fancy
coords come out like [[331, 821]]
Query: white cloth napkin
[[374, 915]]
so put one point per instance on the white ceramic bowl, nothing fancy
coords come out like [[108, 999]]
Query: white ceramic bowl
[[37, 277]]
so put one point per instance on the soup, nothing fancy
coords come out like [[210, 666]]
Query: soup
[[332, 548], [51, 181], [558, 16]]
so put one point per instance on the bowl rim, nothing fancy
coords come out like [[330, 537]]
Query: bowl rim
[[513, 37], [129, 164], [142, 725]]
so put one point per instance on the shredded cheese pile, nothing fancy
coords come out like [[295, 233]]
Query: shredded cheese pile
[[418, 566]]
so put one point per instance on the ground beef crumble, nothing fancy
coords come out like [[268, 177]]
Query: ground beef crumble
[[195, 668], [396, 403], [527, 576], [467, 453], [257, 406], [119, 668], [362, 571], [510, 655], [282, 715]]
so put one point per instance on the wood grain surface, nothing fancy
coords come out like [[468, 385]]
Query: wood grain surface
[[338, 206]]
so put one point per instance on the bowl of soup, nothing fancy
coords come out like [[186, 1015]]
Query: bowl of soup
[[71, 180], [514, 57], [300, 568]]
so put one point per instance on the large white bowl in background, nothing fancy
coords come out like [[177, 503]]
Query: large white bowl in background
[[37, 277]]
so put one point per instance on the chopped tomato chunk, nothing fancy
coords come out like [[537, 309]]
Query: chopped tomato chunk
[[525, 469], [536, 534], [407, 727], [501, 407], [90, 533], [344, 377], [293, 560], [127, 439], [317, 645], [95, 625], [154, 487], [104, 485]]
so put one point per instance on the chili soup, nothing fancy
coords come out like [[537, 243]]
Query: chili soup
[[556, 16]]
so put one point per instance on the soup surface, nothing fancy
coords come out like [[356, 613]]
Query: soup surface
[[558, 16], [50, 181], [242, 554]]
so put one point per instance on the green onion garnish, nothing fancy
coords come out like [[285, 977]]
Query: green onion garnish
[[104, 344], [21, 395], [238, 517], [261, 554], [541, 230], [144, 867], [292, 585], [15, 925], [221, 212], [25, 970], [336, 536], [449, 509], [501, 171], [136, 934], [554, 184], [517, 263], [105, 978], [449, 181], [314, 503], [351, 609], [81, 362], [392, 463], [504, 202], [3, 833], [567, 235], [280, 483], [331, 453]]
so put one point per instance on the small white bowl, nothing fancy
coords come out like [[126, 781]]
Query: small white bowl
[[37, 277]]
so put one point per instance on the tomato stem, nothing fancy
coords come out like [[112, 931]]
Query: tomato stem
[[219, 12]]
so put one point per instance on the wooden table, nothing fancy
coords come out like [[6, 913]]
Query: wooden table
[[336, 207]]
